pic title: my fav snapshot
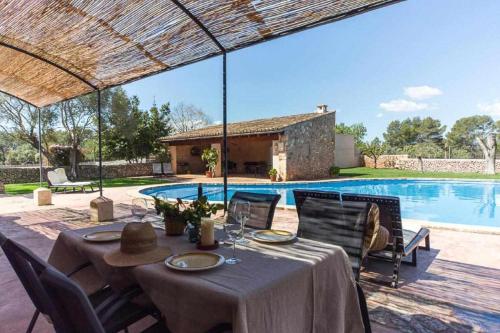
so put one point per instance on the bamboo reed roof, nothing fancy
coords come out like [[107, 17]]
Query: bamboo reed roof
[[245, 128], [56, 50]]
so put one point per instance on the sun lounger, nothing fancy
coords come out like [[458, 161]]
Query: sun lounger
[[402, 242], [57, 179], [167, 169]]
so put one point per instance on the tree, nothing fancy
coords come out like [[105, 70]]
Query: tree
[[187, 117], [424, 150], [373, 149], [465, 131], [78, 117], [19, 121], [489, 148], [6, 144], [358, 130], [412, 131]]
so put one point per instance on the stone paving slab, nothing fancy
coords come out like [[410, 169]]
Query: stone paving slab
[[455, 288]]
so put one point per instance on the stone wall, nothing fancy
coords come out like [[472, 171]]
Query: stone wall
[[445, 165], [310, 148], [429, 164], [12, 175], [384, 161]]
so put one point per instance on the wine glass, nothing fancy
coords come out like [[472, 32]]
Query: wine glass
[[233, 232], [242, 214], [139, 208]]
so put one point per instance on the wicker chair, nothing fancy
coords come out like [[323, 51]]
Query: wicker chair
[[404, 242], [262, 207]]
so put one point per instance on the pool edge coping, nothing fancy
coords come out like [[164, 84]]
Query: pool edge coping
[[135, 193]]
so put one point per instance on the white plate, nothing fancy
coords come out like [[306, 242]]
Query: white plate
[[273, 236], [103, 236], [194, 261]]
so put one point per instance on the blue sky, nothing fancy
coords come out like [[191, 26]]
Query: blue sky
[[417, 58]]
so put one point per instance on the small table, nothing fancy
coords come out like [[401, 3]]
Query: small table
[[305, 286]]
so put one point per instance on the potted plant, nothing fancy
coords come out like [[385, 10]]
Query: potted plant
[[178, 216], [172, 216], [273, 174], [193, 214], [210, 156]]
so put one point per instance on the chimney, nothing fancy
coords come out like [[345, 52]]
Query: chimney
[[322, 108]]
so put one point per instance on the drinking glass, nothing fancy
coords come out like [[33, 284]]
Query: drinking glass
[[242, 214], [139, 208], [233, 232]]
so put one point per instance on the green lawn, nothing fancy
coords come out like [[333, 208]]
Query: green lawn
[[116, 182], [395, 173], [348, 172]]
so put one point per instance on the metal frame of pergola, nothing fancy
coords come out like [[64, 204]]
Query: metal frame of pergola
[[353, 7]]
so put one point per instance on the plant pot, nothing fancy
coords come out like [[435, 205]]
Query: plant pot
[[174, 226], [273, 178], [209, 174]]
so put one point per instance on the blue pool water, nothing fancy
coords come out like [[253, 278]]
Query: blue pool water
[[458, 202]]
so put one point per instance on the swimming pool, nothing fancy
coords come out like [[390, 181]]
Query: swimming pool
[[446, 201]]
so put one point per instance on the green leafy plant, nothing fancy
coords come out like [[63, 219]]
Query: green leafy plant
[[273, 172], [191, 213], [210, 156], [198, 209], [334, 171]]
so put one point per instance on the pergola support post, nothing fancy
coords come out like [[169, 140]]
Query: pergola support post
[[101, 208], [42, 196], [224, 126]]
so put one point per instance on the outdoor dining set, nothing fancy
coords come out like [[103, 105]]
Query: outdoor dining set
[[238, 275]]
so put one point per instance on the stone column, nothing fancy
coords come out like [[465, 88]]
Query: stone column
[[279, 159], [173, 158], [218, 168]]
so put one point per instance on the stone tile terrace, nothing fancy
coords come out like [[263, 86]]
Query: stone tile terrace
[[455, 288]]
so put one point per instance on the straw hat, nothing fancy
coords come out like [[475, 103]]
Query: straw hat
[[138, 247]]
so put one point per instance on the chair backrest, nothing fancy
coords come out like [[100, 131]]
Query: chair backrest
[[262, 207], [390, 215], [28, 268], [58, 176], [76, 314], [301, 195], [335, 222], [167, 168], [156, 168]]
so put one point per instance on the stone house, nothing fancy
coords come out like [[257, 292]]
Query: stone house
[[298, 146]]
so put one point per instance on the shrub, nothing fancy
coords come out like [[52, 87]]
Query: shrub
[[334, 171], [273, 172]]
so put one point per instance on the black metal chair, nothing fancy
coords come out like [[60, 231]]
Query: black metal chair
[[116, 309], [324, 218], [301, 195], [364, 308], [403, 242], [262, 207], [75, 313]]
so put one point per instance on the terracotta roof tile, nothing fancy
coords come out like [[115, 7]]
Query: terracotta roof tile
[[252, 127]]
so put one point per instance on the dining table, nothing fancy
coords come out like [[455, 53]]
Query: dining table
[[300, 286]]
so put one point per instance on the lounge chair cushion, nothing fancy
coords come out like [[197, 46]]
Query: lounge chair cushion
[[376, 235], [58, 178]]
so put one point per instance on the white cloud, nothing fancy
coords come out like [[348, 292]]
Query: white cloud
[[492, 109], [379, 115], [422, 92], [403, 105], [217, 122]]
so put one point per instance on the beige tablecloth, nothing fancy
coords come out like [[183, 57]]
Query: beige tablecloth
[[301, 287]]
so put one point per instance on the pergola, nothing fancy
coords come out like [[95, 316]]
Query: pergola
[[51, 51]]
